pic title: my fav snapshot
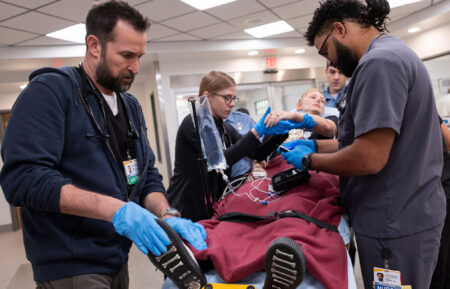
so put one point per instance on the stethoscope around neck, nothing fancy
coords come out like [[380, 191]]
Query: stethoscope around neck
[[86, 82]]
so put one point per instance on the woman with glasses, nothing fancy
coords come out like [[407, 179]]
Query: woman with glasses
[[185, 191]]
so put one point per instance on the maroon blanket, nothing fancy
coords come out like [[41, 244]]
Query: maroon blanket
[[237, 249]]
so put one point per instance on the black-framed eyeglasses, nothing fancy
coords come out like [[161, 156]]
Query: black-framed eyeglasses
[[323, 44], [228, 98]]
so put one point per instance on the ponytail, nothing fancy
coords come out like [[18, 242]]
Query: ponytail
[[375, 14]]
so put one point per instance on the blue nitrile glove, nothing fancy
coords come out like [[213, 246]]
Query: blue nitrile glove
[[292, 144], [282, 127], [307, 122], [295, 156], [138, 225], [260, 126], [194, 233]]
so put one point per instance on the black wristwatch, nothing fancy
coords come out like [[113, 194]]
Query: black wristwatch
[[306, 161], [170, 211]]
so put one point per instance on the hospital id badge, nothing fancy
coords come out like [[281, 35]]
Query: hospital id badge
[[386, 278], [131, 171]]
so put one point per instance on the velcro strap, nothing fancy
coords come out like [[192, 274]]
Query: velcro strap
[[238, 217]]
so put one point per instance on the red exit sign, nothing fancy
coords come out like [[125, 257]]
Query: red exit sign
[[271, 62]]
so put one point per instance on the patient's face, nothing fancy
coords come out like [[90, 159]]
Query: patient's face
[[313, 103]]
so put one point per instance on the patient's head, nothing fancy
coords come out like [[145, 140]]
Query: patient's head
[[312, 101], [221, 91]]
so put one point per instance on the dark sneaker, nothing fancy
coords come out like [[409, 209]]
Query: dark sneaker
[[285, 264], [177, 263]]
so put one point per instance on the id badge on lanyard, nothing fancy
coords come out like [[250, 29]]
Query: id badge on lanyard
[[131, 171]]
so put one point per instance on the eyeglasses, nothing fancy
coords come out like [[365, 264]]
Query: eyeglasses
[[228, 98], [325, 54]]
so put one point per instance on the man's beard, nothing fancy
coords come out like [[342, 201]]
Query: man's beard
[[106, 79], [346, 62]]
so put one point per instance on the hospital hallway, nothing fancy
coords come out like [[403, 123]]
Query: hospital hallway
[[16, 273]]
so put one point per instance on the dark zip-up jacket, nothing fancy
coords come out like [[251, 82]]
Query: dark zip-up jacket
[[51, 141]]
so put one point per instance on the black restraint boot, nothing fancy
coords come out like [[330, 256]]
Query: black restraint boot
[[285, 264], [177, 263]]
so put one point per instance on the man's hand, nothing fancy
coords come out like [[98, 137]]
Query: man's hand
[[194, 233], [306, 123], [138, 225], [300, 142], [281, 127], [295, 157]]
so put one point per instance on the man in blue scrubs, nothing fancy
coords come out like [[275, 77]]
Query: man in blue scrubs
[[390, 148]]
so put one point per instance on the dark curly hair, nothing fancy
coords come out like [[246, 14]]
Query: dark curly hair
[[103, 17], [373, 13]]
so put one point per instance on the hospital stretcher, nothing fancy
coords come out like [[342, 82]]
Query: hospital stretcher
[[257, 280]]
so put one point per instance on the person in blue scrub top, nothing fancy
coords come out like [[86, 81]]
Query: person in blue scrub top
[[241, 120], [389, 150]]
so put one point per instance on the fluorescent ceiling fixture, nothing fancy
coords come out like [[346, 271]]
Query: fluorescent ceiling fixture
[[300, 51], [253, 53], [269, 29], [74, 33], [206, 4], [397, 3], [23, 86], [414, 29]]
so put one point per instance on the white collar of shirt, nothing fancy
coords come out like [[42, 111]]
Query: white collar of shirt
[[112, 102]]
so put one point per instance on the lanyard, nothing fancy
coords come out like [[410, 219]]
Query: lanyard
[[101, 101]]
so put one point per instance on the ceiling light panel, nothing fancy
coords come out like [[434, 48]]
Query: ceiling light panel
[[269, 29], [75, 33], [398, 3], [203, 5]]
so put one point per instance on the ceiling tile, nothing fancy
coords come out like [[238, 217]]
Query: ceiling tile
[[214, 30], [10, 36], [37, 23], [297, 9], [191, 21], [135, 2], [276, 3], [235, 36], [158, 31], [300, 22], [178, 37], [28, 3], [69, 9], [255, 19], [159, 10], [290, 34], [44, 40], [402, 11], [236, 9], [7, 11]]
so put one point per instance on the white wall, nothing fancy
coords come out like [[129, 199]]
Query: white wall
[[5, 209], [432, 42]]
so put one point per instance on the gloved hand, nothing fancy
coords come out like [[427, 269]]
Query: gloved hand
[[307, 122], [282, 127], [292, 144], [194, 233], [295, 156], [138, 225]]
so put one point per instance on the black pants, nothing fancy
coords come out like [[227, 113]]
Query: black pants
[[441, 275], [89, 281]]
